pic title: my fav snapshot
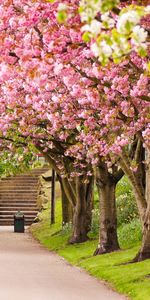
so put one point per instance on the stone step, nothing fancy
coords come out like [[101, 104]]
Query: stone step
[[25, 176], [11, 217], [8, 222], [19, 193], [18, 201], [21, 177], [11, 214], [17, 197], [18, 208], [18, 188]]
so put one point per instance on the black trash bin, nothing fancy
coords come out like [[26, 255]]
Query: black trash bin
[[19, 222]]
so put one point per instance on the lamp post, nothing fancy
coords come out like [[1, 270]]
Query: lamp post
[[53, 197]]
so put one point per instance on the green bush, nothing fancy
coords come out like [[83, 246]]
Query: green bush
[[66, 229], [130, 234], [123, 187], [126, 208], [126, 204], [95, 221], [96, 197]]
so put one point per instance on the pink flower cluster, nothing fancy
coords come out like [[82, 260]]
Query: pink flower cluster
[[53, 90]]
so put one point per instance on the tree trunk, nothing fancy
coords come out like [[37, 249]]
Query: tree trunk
[[106, 183], [108, 240], [79, 193], [136, 180], [144, 252], [67, 209], [67, 206], [82, 211]]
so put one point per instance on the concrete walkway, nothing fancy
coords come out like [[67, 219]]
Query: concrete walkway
[[29, 272]]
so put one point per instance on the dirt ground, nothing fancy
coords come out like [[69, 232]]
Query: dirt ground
[[29, 272]]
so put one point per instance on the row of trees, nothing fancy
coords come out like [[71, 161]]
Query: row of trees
[[89, 120]]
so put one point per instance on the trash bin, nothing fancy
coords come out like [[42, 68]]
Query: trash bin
[[19, 222]]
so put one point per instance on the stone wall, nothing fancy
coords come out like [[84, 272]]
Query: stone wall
[[44, 190]]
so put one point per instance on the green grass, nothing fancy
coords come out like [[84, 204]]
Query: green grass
[[130, 279]]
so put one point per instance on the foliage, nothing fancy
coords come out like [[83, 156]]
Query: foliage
[[95, 221], [126, 204], [123, 187], [130, 234], [126, 208], [96, 197], [13, 163], [66, 229]]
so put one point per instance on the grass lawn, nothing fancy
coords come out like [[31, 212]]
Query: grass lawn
[[132, 280]]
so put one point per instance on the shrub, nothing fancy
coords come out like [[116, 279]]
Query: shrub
[[66, 228], [126, 204], [130, 234], [123, 187], [126, 208], [95, 221]]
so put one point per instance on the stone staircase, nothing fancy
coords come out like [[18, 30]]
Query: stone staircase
[[19, 193]]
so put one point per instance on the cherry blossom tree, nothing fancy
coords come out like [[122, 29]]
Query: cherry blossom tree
[[55, 93], [130, 79]]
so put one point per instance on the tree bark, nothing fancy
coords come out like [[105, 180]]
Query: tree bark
[[144, 252], [136, 180], [79, 192], [67, 209], [82, 211], [108, 240]]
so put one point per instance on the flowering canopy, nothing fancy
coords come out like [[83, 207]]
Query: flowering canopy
[[54, 91], [114, 29]]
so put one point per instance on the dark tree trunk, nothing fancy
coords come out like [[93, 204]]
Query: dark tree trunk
[[144, 252], [53, 197], [79, 193], [106, 183], [108, 240], [82, 211], [67, 207], [67, 210]]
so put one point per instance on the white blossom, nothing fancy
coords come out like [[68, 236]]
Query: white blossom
[[94, 27], [95, 49], [90, 8], [106, 18], [139, 35], [122, 47], [130, 18], [147, 9], [106, 49], [101, 49], [62, 6]]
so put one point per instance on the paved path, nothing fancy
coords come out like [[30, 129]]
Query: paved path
[[29, 272]]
